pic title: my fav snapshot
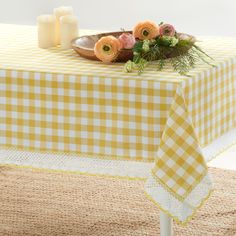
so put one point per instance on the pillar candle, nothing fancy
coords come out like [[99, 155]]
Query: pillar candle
[[46, 31], [59, 12], [68, 30]]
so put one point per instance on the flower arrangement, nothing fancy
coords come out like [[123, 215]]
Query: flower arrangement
[[153, 42], [107, 48]]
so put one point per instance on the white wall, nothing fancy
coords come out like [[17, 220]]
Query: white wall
[[199, 17]]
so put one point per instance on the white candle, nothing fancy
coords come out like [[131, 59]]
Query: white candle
[[69, 30], [59, 12], [46, 31]]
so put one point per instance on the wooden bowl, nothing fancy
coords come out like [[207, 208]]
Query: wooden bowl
[[84, 46]]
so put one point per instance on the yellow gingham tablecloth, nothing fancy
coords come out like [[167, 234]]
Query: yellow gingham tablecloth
[[57, 102]]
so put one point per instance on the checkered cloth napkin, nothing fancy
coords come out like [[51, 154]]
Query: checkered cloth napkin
[[55, 101]]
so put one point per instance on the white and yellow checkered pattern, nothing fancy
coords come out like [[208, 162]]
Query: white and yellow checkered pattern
[[53, 100], [180, 165], [106, 117], [212, 106]]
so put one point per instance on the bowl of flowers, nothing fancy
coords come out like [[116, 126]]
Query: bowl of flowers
[[113, 51], [147, 42]]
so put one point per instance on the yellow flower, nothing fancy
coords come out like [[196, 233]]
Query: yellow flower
[[146, 30], [107, 48]]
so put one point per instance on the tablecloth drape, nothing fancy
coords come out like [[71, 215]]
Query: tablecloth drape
[[55, 101]]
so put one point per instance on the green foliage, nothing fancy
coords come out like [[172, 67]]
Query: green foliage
[[182, 54], [138, 47], [160, 64], [141, 65]]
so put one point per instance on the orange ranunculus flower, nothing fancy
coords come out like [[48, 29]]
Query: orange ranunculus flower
[[146, 30], [107, 48]]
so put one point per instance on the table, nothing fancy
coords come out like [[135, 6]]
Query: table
[[53, 101]]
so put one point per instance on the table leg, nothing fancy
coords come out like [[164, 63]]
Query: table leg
[[166, 224]]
